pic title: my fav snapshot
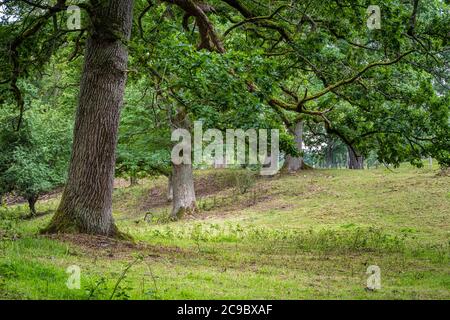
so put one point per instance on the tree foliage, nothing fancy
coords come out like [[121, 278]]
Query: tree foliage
[[231, 64]]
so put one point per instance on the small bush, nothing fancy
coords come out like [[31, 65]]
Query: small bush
[[241, 180]]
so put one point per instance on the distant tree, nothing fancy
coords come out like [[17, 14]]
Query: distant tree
[[144, 135], [34, 159], [10, 140]]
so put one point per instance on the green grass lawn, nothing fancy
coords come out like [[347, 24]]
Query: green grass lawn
[[306, 236]]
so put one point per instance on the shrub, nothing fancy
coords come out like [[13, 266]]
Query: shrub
[[34, 159]]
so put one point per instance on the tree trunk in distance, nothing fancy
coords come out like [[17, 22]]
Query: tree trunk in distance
[[184, 202], [133, 181], [32, 204], [86, 204], [355, 162], [329, 153], [169, 188], [295, 164]]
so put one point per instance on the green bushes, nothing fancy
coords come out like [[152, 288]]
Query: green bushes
[[9, 219], [34, 159]]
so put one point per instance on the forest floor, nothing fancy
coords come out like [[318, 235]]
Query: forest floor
[[306, 236]]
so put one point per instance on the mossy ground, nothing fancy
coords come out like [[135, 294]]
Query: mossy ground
[[305, 236]]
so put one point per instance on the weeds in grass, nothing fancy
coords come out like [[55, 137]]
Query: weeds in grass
[[99, 288], [158, 218], [250, 198], [121, 292], [354, 219], [356, 239], [9, 223], [96, 290]]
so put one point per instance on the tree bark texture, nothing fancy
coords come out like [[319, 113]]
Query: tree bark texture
[[184, 201], [86, 204]]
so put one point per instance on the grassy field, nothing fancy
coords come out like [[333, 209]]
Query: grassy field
[[306, 236]]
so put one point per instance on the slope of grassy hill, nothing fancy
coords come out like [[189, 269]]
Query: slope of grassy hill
[[311, 235]]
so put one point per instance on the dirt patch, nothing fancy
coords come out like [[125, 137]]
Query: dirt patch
[[12, 199], [273, 203], [211, 184], [232, 202], [444, 172], [113, 248], [204, 186], [121, 183], [156, 198]]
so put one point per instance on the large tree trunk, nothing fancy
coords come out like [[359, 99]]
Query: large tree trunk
[[294, 164], [86, 204], [184, 202], [355, 162]]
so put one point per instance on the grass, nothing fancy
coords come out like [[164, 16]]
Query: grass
[[306, 236]]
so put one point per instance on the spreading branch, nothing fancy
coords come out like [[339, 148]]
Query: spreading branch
[[353, 78], [209, 37]]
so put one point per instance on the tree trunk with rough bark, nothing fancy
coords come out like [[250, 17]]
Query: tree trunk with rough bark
[[86, 204], [355, 162], [184, 201], [294, 164]]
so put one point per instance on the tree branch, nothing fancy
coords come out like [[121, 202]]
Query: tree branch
[[353, 78]]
